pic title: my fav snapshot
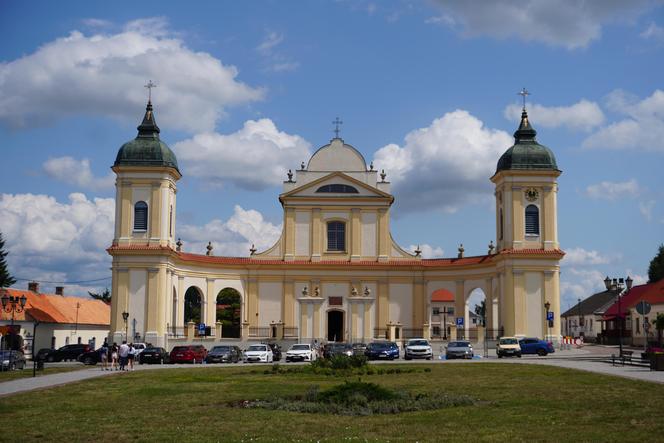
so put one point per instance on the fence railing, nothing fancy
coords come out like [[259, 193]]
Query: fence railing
[[407, 333], [232, 331], [260, 331], [177, 331], [290, 331]]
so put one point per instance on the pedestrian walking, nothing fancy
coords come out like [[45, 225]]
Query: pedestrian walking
[[130, 356], [103, 354], [114, 357], [123, 353]]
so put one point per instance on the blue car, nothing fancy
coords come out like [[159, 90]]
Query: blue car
[[535, 346], [382, 350]]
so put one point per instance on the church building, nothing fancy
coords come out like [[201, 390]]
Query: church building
[[336, 273]]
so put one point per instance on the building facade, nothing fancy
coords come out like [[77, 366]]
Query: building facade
[[336, 273]]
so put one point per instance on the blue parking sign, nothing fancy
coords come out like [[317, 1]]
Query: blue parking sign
[[549, 315], [201, 328], [459, 321]]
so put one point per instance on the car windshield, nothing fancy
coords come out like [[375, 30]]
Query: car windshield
[[508, 341], [379, 345], [257, 348], [300, 348], [418, 343], [459, 344], [359, 345], [152, 349], [221, 349]]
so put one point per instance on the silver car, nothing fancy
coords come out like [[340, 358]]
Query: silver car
[[459, 349]]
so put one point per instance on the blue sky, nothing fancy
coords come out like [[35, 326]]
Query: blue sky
[[246, 90]]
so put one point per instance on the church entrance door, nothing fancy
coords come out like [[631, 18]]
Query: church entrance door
[[335, 326]]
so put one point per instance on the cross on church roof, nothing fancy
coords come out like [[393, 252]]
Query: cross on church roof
[[524, 93], [150, 85], [337, 122]]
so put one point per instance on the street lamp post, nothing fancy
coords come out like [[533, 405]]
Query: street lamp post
[[580, 321], [11, 304], [445, 323], [617, 286], [547, 306], [125, 317]]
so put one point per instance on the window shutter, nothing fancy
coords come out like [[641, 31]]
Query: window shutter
[[141, 216], [532, 220]]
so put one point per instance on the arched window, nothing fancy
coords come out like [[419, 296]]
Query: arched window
[[339, 188], [141, 216], [501, 225], [532, 220], [336, 236]]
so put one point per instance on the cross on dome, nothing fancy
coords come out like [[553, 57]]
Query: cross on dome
[[337, 122], [524, 93], [149, 86]]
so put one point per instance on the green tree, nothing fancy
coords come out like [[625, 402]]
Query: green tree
[[481, 311], [104, 296], [656, 268], [6, 279]]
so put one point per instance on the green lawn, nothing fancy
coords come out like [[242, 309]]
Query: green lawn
[[27, 372], [516, 402]]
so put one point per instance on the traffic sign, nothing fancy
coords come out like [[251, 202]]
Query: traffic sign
[[201, 329], [459, 321], [549, 315], [643, 307]]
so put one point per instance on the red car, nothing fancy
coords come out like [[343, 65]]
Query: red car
[[188, 354]]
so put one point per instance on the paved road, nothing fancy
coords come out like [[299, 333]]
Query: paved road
[[573, 358]]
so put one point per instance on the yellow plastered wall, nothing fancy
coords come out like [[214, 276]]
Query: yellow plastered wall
[[288, 304]]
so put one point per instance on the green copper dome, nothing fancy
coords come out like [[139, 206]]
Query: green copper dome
[[526, 152], [146, 149]]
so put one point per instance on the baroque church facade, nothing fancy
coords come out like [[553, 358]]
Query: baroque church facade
[[336, 273]]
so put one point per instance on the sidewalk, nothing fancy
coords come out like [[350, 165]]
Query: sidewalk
[[48, 381]]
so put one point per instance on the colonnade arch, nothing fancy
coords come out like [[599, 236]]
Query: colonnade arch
[[228, 311]]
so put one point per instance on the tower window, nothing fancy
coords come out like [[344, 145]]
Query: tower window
[[141, 216], [532, 220], [336, 236], [338, 188], [500, 231], [170, 222]]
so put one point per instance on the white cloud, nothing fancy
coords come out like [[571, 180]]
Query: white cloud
[[96, 23], [275, 60], [570, 24], [255, 157], [104, 75], [271, 40], [77, 173], [654, 32], [646, 209], [613, 190], [582, 257], [642, 129], [49, 240], [233, 237], [445, 165], [579, 283], [428, 251], [584, 115]]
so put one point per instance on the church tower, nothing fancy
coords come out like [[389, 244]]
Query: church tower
[[528, 253], [146, 175]]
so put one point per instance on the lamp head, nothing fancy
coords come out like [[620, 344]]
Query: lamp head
[[547, 305], [607, 283], [23, 300], [5, 300], [629, 282], [125, 315]]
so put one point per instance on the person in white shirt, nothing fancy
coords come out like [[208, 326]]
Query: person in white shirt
[[124, 354]]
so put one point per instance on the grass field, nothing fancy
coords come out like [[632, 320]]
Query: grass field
[[27, 372], [516, 402]]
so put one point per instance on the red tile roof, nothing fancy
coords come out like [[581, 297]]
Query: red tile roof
[[653, 293], [52, 308], [442, 295]]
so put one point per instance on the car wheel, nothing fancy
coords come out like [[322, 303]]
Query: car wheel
[[87, 361], [406, 358], [429, 358], [541, 352], [12, 367], [518, 355]]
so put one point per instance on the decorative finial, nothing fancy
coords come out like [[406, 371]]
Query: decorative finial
[[418, 251], [353, 291], [382, 175], [491, 247], [150, 85], [367, 291], [209, 248], [337, 122], [302, 166], [305, 292], [524, 93], [178, 245], [290, 176], [316, 292], [460, 255], [371, 166], [252, 250]]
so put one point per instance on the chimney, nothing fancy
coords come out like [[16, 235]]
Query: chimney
[[33, 286], [59, 290]]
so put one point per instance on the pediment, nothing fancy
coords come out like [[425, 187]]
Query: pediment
[[310, 190]]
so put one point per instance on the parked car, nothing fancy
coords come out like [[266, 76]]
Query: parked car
[[11, 360], [359, 348], [418, 348], [258, 353], [276, 351], [382, 350], [301, 352], [459, 349], [90, 357], [530, 345], [67, 352], [43, 353], [152, 355], [138, 348], [224, 354], [508, 347], [333, 349], [188, 354]]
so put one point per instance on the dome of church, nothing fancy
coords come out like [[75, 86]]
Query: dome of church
[[337, 156], [146, 149], [526, 152]]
